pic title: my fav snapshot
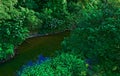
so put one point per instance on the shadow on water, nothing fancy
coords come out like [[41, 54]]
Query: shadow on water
[[30, 49]]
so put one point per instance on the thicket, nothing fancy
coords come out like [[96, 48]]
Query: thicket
[[62, 65], [14, 25]]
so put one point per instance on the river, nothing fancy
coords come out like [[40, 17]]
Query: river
[[30, 49]]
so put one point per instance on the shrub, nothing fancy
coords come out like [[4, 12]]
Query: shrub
[[63, 65], [12, 34], [31, 21]]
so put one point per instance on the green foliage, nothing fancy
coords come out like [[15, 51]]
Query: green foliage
[[59, 8], [50, 24], [35, 5], [14, 25], [97, 13], [62, 65], [12, 33], [98, 38], [66, 13], [6, 8], [74, 7], [6, 50], [30, 18], [9, 3], [54, 16], [30, 4]]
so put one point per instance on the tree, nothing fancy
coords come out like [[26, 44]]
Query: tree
[[13, 26], [97, 38]]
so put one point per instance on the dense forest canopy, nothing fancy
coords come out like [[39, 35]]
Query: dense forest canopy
[[94, 25]]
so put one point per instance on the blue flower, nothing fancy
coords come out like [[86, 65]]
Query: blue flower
[[41, 59]]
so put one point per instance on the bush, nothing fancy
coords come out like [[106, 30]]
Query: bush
[[63, 65], [31, 21], [12, 30], [12, 34]]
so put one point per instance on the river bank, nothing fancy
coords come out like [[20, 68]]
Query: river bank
[[31, 35], [30, 49]]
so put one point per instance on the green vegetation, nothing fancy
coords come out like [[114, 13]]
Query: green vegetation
[[30, 49], [11, 29], [97, 39], [99, 45], [94, 39], [62, 65], [14, 25]]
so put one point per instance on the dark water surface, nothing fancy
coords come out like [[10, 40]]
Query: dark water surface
[[30, 49]]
